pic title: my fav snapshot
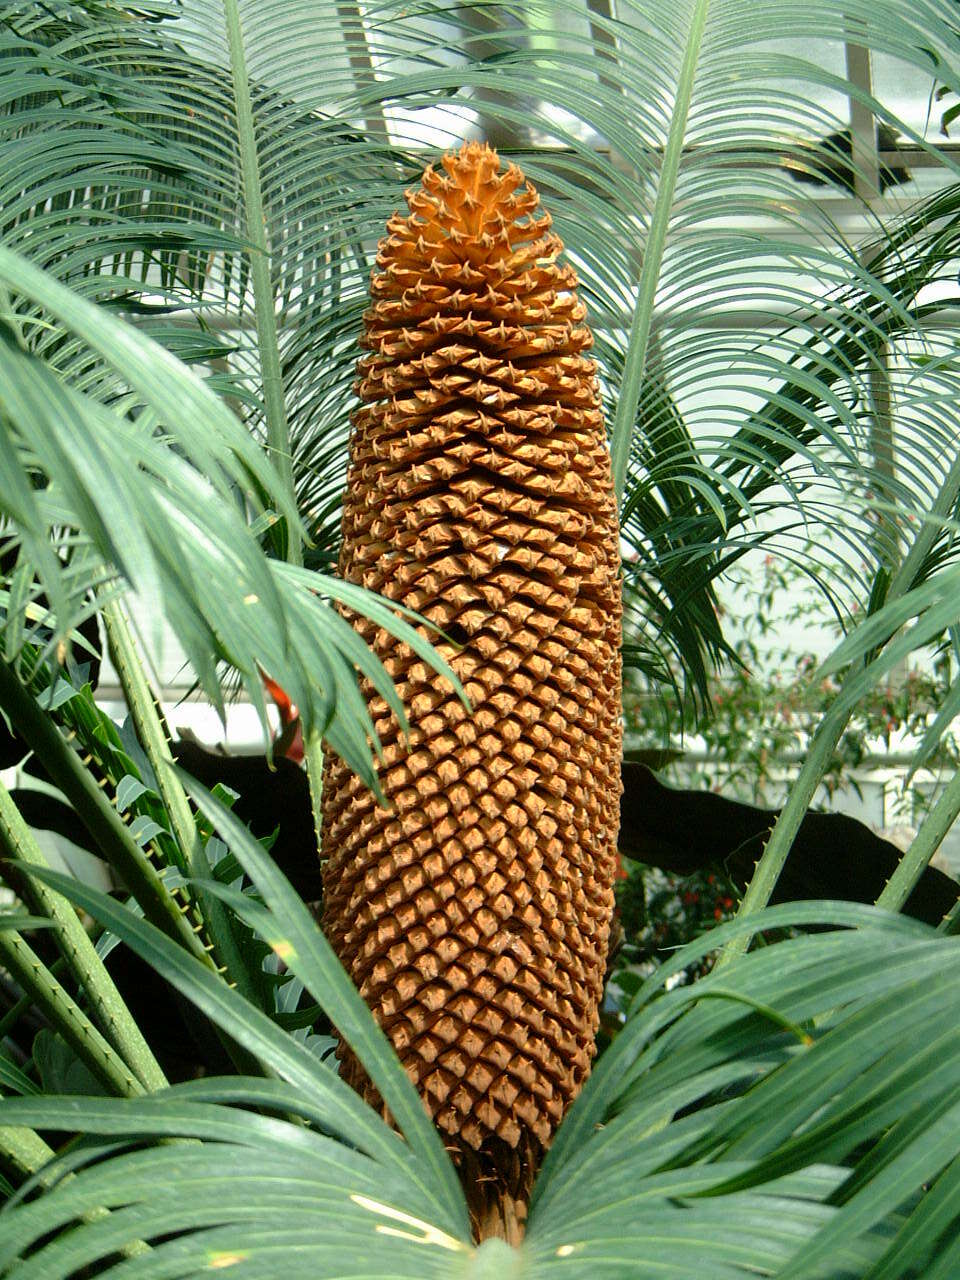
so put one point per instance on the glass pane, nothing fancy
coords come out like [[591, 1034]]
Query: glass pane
[[908, 93]]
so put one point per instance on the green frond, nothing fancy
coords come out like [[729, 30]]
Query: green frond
[[717, 1136], [152, 498], [767, 313]]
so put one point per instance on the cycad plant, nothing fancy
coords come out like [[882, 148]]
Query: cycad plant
[[204, 184]]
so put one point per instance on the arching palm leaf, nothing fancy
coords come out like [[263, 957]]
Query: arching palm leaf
[[155, 502], [239, 165], [719, 1135]]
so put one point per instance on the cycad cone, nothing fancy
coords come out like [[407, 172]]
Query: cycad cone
[[473, 913]]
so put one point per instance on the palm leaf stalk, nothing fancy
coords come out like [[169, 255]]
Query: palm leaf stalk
[[17, 841], [474, 912]]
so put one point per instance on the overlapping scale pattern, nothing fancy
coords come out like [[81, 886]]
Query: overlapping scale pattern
[[473, 913]]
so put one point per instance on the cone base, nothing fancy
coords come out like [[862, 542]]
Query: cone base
[[497, 1181]]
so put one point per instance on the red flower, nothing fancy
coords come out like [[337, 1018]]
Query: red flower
[[289, 742]]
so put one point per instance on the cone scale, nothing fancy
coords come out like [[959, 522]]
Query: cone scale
[[473, 913]]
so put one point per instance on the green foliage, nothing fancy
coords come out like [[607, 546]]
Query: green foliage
[[660, 911], [723, 1111], [765, 704], [203, 184], [142, 160]]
